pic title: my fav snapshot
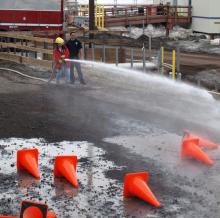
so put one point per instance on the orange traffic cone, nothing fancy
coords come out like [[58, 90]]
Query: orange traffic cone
[[190, 148], [66, 166], [30, 209], [51, 214], [28, 160], [135, 185], [202, 142]]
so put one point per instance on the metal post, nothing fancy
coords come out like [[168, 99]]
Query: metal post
[[104, 56], [129, 29], [35, 53], [178, 59], [83, 51], [116, 56], [199, 82], [80, 10], [91, 17], [103, 17], [8, 41], [22, 43], [96, 17], [143, 26], [99, 16], [1, 48], [92, 52], [132, 57], [26, 52], [150, 45], [159, 60], [162, 60], [144, 58], [15, 41], [216, 87], [45, 56]]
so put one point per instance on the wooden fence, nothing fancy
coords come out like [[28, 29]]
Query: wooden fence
[[38, 51], [27, 49]]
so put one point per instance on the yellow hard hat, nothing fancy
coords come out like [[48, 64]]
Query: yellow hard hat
[[59, 40]]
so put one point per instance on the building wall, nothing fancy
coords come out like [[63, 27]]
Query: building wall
[[179, 2], [205, 15]]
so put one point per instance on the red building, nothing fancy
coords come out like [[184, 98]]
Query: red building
[[31, 15]]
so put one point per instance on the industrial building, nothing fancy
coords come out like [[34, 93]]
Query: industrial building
[[205, 14]]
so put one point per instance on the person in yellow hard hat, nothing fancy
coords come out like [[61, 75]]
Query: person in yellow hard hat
[[62, 66]]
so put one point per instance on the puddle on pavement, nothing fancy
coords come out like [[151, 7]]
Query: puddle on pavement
[[97, 195]]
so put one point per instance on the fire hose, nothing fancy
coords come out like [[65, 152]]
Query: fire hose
[[24, 75]]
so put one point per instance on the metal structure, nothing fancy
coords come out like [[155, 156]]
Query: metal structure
[[145, 14], [72, 6], [91, 16]]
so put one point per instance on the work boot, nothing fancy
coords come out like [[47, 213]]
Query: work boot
[[82, 82], [57, 82]]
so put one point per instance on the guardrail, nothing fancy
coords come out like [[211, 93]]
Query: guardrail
[[174, 67]]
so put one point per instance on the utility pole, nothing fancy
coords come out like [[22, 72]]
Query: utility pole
[[91, 17]]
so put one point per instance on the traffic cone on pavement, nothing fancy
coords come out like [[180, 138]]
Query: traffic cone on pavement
[[65, 166], [202, 142], [31, 209], [28, 160], [190, 148], [51, 214], [135, 184]]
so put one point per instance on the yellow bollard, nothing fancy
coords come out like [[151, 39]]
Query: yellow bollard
[[103, 17], [99, 16], [87, 9], [162, 59], [96, 16], [173, 65], [80, 10]]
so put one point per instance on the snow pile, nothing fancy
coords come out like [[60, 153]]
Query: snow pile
[[154, 32], [117, 28], [158, 31], [180, 33], [215, 41], [135, 32]]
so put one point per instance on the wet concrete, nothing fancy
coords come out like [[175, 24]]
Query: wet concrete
[[116, 124]]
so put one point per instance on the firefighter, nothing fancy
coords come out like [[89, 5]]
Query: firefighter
[[75, 48], [62, 66]]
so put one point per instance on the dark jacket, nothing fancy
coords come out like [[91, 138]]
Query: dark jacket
[[74, 47]]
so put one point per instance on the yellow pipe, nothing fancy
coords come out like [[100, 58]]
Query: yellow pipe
[[87, 9], [103, 17], [96, 16], [99, 16], [162, 59], [80, 10], [173, 64]]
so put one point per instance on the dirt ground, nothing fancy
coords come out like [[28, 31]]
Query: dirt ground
[[127, 125]]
